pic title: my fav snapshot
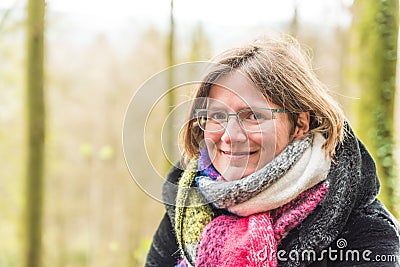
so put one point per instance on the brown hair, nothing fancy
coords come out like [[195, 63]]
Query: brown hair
[[282, 71]]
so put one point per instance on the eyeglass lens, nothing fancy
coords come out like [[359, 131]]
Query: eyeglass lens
[[250, 119]]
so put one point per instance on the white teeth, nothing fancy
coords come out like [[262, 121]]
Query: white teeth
[[237, 153]]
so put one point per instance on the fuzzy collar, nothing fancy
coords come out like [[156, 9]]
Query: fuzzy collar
[[353, 184]]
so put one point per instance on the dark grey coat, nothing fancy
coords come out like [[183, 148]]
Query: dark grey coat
[[350, 227]]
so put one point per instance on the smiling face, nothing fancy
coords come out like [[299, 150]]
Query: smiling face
[[234, 152]]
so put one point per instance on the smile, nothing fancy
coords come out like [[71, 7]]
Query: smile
[[237, 155]]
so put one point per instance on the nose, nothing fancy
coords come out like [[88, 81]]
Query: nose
[[234, 132]]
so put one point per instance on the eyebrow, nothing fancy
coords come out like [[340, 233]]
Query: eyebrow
[[224, 107], [216, 106]]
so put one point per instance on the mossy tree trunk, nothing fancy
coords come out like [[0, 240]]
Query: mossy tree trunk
[[35, 116], [375, 33], [169, 127]]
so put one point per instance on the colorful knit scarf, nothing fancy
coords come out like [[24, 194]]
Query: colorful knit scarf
[[273, 201]]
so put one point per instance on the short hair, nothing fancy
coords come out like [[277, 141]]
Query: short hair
[[281, 69]]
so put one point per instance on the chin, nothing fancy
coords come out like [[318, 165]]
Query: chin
[[235, 173]]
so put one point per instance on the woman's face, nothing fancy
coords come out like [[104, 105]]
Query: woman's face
[[235, 152]]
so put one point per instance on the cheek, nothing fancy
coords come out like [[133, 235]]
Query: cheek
[[272, 141], [267, 144], [210, 140], [212, 137], [263, 140], [282, 136]]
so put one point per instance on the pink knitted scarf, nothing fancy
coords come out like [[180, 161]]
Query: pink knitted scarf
[[229, 240]]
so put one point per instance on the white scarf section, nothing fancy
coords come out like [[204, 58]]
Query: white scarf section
[[311, 169]]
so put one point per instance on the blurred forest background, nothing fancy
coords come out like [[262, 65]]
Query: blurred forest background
[[98, 53]]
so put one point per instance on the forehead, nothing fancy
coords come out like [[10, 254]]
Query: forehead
[[236, 90]]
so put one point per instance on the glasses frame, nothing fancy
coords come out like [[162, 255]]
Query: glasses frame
[[236, 114]]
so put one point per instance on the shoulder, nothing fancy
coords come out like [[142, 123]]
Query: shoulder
[[373, 230], [170, 189], [373, 219], [175, 173], [170, 186]]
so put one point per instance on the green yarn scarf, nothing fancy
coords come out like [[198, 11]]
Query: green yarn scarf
[[192, 212]]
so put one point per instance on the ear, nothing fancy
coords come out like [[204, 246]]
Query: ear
[[302, 125]]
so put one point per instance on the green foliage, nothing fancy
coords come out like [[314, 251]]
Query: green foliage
[[106, 152]]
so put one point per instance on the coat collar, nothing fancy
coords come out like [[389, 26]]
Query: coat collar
[[353, 184]]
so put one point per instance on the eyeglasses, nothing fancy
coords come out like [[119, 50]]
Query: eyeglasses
[[251, 119]]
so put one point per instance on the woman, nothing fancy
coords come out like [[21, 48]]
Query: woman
[[272, 174]]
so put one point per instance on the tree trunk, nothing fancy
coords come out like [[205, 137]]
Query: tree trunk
[[375, 29], [35, 112], [169, 127]]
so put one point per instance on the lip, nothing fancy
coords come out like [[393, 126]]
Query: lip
[[237, 154]]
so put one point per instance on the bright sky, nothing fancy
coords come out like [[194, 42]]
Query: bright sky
[[217, 12], [222, 19]]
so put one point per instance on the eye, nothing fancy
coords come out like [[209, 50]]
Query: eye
[[256, 116], [217, 115]]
